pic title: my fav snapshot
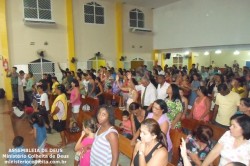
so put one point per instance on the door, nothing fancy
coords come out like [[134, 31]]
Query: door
[[136, 64]]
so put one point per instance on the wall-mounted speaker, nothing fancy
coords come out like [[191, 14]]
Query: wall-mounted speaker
[[167, 55]]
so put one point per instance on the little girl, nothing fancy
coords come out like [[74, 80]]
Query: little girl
[[83, 145], [39, 130]]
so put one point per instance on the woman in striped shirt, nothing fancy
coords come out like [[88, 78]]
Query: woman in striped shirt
[[104, 151]]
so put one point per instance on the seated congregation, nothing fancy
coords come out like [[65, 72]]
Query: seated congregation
[[145, 115]]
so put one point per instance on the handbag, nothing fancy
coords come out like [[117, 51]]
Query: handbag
[[74, 128]]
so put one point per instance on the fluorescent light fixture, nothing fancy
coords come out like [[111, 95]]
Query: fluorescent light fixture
[[218, 52], [186, 53], [206, 53], [236, 52]]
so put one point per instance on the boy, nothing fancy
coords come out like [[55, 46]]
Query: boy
[[126, 125], [19, 150]]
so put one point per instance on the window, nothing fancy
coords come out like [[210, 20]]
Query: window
[[136, 18], [178, 60], [37, 10], [93, 13]]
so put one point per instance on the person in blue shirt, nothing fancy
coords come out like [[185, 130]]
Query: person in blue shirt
[[39, 130], [17, 155]]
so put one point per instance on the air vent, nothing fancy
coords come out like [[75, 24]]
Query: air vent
[[140, 30]]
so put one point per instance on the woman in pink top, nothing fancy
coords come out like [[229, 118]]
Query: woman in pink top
[[83, 145], [75, 98], [202, 104]]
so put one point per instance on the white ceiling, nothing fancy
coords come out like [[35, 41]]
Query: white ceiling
[[147, 3]]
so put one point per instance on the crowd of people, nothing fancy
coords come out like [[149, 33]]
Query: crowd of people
[[156, 101]]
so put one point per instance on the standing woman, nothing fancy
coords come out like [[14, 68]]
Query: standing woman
[[152, 149], [175, 108], [137, 116], [159, 111], [59, 112], [185, 85], [133, 94], [194, 87], [202, 104], [234, 145], [75, 98], [81, 85], [105, 149], [184, 102], [99, 90], [91, 85]]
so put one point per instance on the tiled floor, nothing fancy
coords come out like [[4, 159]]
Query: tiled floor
[[10, 126], [6, 131]]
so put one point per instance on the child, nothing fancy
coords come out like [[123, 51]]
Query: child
[[105, 150], [83, 145], [39, 131], [16, 109], [19, 150], [126, 125]]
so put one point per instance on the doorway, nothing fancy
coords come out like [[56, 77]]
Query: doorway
[[136, 63]]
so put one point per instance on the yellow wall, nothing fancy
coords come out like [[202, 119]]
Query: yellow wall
[[70, 34], [4, 48], [1, 67], [119, 36], [20, 35]]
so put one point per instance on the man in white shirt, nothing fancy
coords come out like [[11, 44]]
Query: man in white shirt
[[162, 87], [148, 93], [44, 106]]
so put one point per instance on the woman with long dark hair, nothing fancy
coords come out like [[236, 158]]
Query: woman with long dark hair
[[152, 149], [99, 90], [175, 108], [137, 116]]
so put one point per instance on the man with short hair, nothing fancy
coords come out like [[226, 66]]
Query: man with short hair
[[29, 89], [21, 86], [162, 87], [14, 82], [225, 106], [148, 92]]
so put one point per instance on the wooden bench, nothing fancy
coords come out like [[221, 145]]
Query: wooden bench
[[192, 124], [108, 97], [125, 147], [118, 114], [176, 136], [92, 103]]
